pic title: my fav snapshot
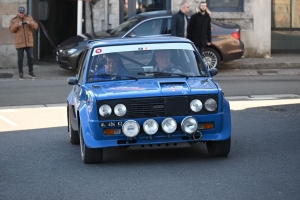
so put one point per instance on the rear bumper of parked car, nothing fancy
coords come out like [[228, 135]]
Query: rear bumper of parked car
[[234, 54]]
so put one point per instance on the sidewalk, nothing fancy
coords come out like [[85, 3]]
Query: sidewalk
[[278, 64]]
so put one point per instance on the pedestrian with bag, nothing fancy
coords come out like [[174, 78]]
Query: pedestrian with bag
[[199, 30], [22, 26]]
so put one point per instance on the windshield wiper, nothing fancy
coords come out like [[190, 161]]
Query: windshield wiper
[[157, 74], [111, 77]]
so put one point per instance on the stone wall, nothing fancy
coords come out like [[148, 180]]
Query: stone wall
[[99, 15], [8, 53]]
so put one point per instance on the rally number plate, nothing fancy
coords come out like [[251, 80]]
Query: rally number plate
[[111, 124]]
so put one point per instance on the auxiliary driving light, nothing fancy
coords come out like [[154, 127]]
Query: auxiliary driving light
[[189, 125], [131, 128], [150, 126], [105, 110], [196, 105], [169, 125]]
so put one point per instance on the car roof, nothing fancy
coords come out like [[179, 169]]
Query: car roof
[[163, 13], [153, 14], [136, 40]]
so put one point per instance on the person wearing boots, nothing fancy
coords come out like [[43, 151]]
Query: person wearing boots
[[22, 26]]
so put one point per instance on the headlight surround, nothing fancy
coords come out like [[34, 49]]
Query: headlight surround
[[150, 126], [210, 104], [189, 125], [131, 128], [169, 125], [69, 51], [196, 105], [105, 110], [120, 110]]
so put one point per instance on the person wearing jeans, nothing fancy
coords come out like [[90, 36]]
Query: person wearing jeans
[[22, 26]]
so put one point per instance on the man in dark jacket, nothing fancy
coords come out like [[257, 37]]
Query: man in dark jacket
[[179, 22], [22, 26], [199, 30]]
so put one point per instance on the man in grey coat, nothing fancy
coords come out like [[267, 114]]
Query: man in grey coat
[[179, 21]]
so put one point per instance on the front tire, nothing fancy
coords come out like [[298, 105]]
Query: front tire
[[89, 155], [211, 58], [74, 136], [218, 148]]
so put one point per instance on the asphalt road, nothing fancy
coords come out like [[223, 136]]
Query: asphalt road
[[37, 160]]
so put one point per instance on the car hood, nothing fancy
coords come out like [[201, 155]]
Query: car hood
[[151, 87], [80, 40]]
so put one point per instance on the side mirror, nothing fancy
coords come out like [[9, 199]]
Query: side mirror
[[72, 81], [131, 34], [213, 72]]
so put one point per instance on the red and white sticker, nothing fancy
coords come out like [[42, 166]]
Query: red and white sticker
[[98, 51]]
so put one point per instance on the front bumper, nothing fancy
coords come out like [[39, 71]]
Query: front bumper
[[67, 62], [94, 137]]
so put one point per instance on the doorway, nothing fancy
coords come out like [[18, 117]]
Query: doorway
[[59, 19]]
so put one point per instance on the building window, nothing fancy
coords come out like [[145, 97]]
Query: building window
[[226, 5], [130, 8], [285, 26]]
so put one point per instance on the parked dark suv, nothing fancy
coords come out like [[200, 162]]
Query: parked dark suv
[[226, 43]]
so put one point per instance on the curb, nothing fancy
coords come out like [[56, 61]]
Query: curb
[[261, 66]]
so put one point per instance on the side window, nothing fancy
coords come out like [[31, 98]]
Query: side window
[[167, 29], [82, 64], [151, 27]]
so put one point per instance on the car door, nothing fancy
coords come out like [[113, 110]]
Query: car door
[[80, 77]]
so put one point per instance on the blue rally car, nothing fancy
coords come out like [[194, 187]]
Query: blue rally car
[[148, 91]]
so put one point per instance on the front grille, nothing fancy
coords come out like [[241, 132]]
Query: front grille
[[144, 107], [156, 107]]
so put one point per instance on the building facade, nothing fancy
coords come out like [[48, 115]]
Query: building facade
[[267, 26]]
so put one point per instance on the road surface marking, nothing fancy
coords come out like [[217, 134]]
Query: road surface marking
[[241, 105], [8, 121]]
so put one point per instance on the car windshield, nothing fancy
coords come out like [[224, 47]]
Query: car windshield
[[142, 61], [124, 27]]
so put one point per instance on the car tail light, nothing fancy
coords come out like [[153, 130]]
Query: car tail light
[[236, 35]]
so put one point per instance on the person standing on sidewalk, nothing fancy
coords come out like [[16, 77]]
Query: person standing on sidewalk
[[22, 26], [179, 22], [199, 30]]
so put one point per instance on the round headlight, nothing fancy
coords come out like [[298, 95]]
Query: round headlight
[[150, 126], [120, 110], [189, 125], [210, 104], [169, 125], [131, 128], [105, 110], [196, 105]]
